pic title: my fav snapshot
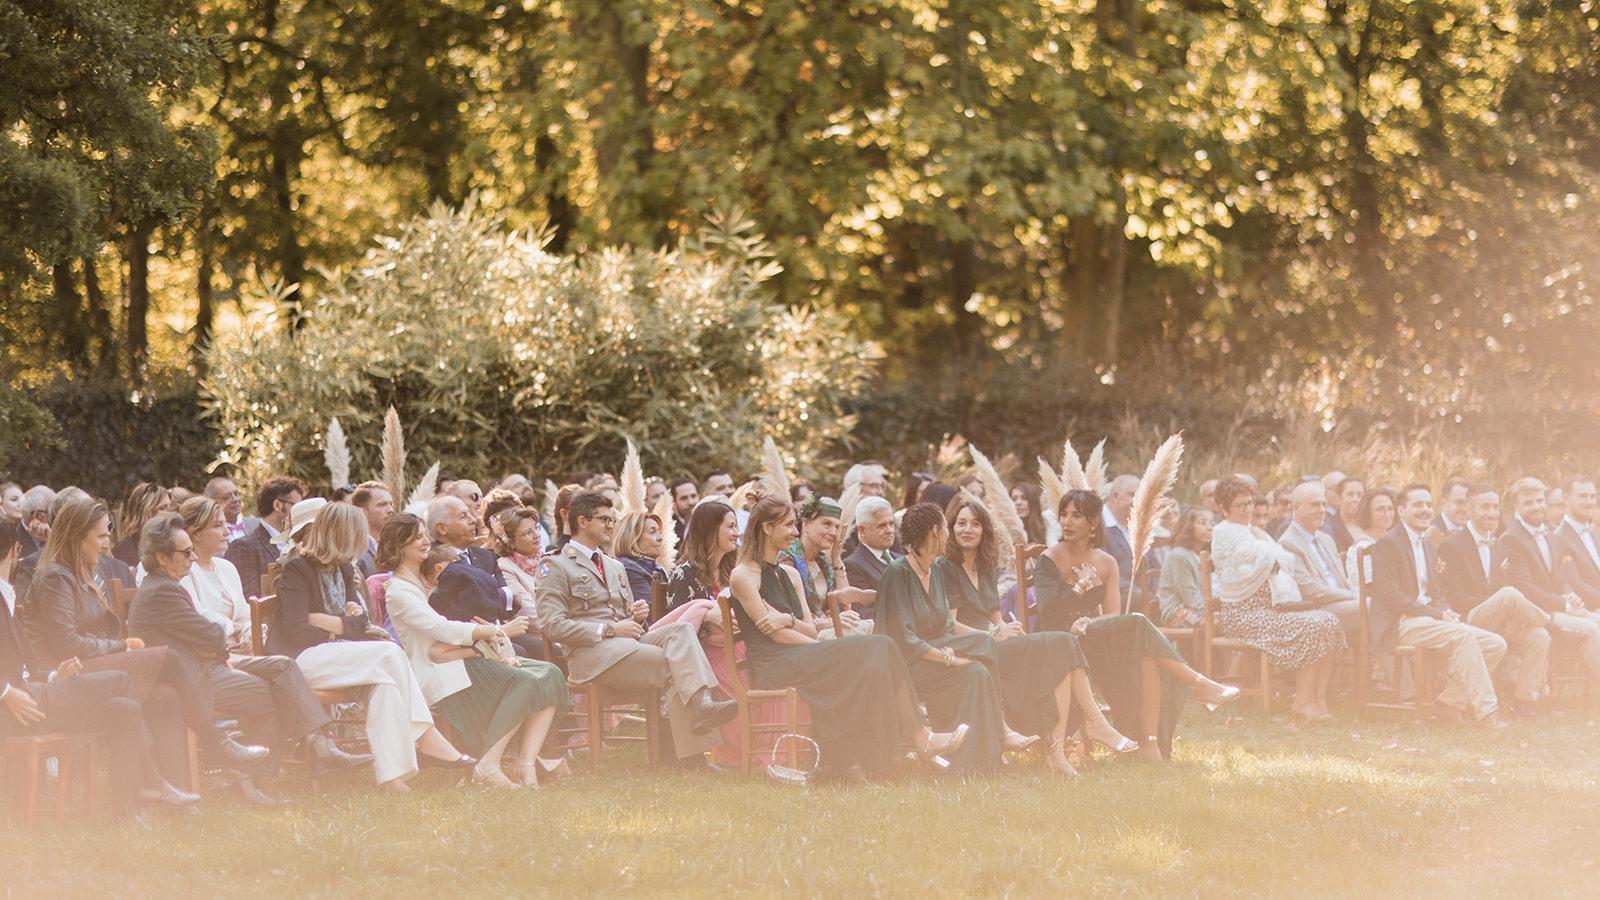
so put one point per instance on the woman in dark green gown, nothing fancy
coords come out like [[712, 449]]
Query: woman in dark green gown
[[1138, 671], [1041, 675], [863, 708], [956, 674]]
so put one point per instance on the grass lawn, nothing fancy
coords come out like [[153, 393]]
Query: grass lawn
[[1382, 807]]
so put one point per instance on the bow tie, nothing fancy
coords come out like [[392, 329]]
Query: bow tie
[[1536, 529], [1483, 542]]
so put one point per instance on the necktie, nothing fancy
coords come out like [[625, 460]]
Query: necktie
[[599, 569]]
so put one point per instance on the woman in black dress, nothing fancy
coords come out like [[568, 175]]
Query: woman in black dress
[[706, 558], [1137, 669], [955, 673], [1041, 675], [860, 695]]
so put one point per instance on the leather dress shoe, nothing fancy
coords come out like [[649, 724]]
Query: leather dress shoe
[[710, 713], [230, 754], [253, 795], [327, 757], [167, 795]]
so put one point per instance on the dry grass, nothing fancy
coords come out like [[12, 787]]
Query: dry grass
[[1385, 808]]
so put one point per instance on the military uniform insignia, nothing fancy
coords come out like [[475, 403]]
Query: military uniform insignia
[[544, 570]]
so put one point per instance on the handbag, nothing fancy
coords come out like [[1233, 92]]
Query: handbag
[[787, 775]]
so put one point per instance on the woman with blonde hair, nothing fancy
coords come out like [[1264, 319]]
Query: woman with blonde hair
[[322, 625], [518, 546], [636, 544], [146, 501]]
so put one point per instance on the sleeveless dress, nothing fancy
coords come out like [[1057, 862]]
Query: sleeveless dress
[[1114, 647], [1031, 665], [857, 687], [918, 620]]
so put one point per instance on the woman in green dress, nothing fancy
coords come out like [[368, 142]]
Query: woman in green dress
[[861, 699], [486, 701], [955, 671], [1044, 677], [1140, 674]]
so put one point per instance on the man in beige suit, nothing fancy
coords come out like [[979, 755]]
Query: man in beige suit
[[1316, 561], [585, 605]]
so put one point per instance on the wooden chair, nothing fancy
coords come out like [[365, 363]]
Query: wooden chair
[[597, 702], [1186, 639], [748, 697], [1211, 643], [121, 597], [22, 757], [1025, 555], [1424, 663], [658, 596]]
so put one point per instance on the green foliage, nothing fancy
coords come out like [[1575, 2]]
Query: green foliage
[[499, 355], [104, 439]]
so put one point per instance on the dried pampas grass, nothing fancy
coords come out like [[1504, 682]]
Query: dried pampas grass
[[632, 487], [774, 475], [1051, 486], [669, 534], [426, 490], [336, 452], [551, 489], [1001, 509], [1073, 477], [1094, 469], [1159, 477], [394, 455]]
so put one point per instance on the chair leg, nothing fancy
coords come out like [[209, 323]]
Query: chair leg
[[194, 763], [596, 723], [31, 773], [1266, 682], [90, 762], [64, 772], [652, 727]]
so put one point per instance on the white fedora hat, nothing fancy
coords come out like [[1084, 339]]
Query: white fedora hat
[[300, 516]]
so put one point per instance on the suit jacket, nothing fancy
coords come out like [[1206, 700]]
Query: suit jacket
[[248, 524], [1395, 592], [107, 569], [1335, 528], [300, 594], [420, 628], [1581, 571], [1315, 586], [66, 618], [1525, 569], [466, 591], [1459, 579], [575, 605], [164, 615], [1117, 545], [16, 651], [251, 555], [864, 568]]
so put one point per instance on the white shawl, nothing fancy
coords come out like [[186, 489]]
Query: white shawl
[[1244, 558]]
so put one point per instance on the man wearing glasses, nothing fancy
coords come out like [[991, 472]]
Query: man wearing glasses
[[586, 606]]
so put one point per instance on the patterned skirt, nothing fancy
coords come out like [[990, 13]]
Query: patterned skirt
[[1294, 640]]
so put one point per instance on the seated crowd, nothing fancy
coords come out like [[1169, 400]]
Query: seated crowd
[[176, 621]]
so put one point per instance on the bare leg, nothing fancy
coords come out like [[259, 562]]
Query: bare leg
[[1150, 707], [488, 769], [532, 735], [434, 744], [1180, 670], [1324, 676], [1095, 726], [1305, 692]]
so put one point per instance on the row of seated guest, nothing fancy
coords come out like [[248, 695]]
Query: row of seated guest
[[67, 615], [67, 699]]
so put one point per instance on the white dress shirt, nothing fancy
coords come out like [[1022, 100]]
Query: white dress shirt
[[1318, 551], [1586, 534], [1420, 558], [1540, 539], [1484, 551]]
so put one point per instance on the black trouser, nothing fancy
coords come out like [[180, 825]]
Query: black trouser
[[101, 704]]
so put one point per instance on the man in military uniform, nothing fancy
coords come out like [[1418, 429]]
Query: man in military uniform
[[585, 605]]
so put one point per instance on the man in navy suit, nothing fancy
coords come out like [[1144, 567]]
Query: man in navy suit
[[254, 552], [472, 587]]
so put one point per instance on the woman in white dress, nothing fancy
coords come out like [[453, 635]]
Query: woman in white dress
[[488, 698], [1255, 579], [321, 623]]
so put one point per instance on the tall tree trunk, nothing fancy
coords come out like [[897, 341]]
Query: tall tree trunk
[[138, 337], [205, 295], [557, 204], [291, 256], [636, 139], [70, 334], [98, 319]]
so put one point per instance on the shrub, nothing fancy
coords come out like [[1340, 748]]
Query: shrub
[[498, 355]]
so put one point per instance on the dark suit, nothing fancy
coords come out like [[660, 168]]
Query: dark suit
[[97, 703], [1117, 545], [106, 570], [251, 555], [1395, 591], [1459, 579], [299, 595], [268, 694], [864, 568], [1526, 571], [1582, 571], [466, 591]]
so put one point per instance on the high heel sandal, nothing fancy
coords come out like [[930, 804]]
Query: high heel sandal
[[1217, 694], [940, 744], [493, 778], [527, 776], [554, 769], [1017, 743], [1116, 742], [1056, 758]]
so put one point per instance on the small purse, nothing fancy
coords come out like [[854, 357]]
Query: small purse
[[787, 775]]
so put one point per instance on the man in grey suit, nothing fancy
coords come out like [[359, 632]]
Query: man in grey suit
[[875, 530], [586, 606], [1317, 571]]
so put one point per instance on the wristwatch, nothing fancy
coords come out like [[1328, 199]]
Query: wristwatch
[[611, 631]]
